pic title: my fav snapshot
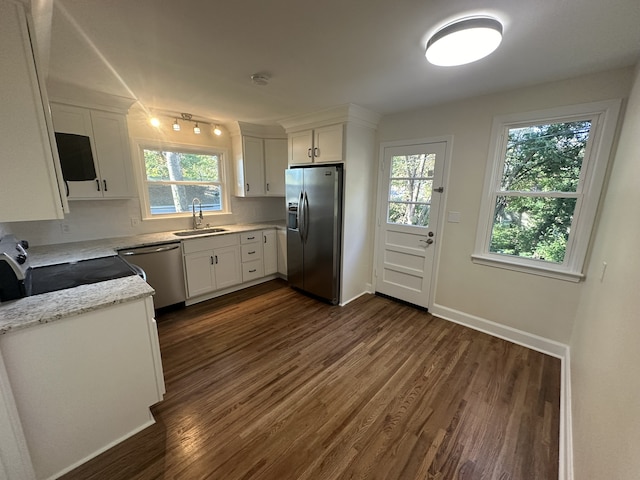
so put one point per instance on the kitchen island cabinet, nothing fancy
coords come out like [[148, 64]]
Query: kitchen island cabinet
[[84, 382]]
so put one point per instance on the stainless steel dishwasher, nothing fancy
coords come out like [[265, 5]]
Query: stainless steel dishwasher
[[164, 269]]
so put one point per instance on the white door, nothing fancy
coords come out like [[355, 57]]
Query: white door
[[408, 219]]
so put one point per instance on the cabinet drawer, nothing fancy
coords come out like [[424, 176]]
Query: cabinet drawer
[[250, 237], [252, 270], [209, 243], [251, 251]]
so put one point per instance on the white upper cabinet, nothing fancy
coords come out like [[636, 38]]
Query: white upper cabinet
[[253, 166], [260, 159], [320, 145], [29, 184], [104, 171], [275, 163]]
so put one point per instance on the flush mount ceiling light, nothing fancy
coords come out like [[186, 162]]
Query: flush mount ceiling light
[[464, 41]]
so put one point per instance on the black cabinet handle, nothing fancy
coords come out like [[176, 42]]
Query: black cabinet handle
[[104, 182], [251, 253], [211, 259], [252, 271], [247, 187], [216, 259], [309, 153], [98, 184], [267, 187]]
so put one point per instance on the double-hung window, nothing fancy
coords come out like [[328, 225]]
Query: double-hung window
[[175, 176], [544, 178]]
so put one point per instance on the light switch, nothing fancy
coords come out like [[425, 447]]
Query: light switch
[[454, 217]]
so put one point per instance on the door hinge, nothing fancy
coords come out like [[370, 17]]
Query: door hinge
[[439, 189]]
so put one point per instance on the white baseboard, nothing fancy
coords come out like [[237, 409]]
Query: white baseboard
[[235, 288], [539, 344]]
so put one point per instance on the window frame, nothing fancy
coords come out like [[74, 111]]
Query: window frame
[[603, 116], [143, 190]]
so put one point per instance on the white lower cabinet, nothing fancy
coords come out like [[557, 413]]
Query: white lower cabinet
[[252, 264], [211, 263], [282, 252], [270, 252], [84, 383]]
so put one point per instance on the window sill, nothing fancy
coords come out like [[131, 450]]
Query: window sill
[[173, 216], [542, 270]]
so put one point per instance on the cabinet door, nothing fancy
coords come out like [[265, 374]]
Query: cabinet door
[[29, 177], [198, 269], [111, 140], [282, 252], [275, 163], [228, 269], [270, 252], [77, 121], [300, 147], [327, 144], [253, 159]]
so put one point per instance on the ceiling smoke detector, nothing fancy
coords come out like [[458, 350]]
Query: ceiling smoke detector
[[261, 79]]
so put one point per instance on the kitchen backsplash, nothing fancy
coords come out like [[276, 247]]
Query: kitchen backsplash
[[90, 220]]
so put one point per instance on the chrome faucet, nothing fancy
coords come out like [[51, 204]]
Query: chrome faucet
[[197, 221]]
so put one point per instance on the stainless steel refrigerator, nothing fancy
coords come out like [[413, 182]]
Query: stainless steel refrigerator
[[314, 229]]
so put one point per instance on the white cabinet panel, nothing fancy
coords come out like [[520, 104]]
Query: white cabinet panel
[[282, 252], [301, 147], [198, 268], [227, 266], [253, 165], [30, 169], [275, 162], [270, 252], [252, 270]]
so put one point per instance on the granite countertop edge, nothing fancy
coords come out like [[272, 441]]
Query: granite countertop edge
[[49, 307]]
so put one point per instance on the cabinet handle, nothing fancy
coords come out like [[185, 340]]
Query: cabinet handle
[[264, 237], [309, 153], [267, 187], [216, 259], [247, 187], [211, 259], [251, 253], [252, 271], [316, 152], [251, 238], [98, 184], [104, 182]]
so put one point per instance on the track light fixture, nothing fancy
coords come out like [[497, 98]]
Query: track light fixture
[[187, 117]]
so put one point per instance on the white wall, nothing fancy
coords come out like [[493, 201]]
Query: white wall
[[95, 219], [605, 355], [538, 305]]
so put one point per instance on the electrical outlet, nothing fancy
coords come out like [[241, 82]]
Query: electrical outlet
[[66, 228], [135, 221]]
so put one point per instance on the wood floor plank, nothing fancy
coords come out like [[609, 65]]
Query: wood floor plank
[[270, 384]]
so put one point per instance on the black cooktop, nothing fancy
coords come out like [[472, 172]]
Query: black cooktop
[[51, 278]]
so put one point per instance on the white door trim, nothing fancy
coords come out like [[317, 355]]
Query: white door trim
[[381, 206]]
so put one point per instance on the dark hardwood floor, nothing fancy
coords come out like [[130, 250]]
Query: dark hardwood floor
[[270, 384]]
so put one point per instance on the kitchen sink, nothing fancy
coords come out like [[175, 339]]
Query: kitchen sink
[[199, 231]]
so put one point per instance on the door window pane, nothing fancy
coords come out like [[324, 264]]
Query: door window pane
[[410, 189], [414, 190]]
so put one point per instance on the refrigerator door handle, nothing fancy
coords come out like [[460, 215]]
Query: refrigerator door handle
[[305, 208], [300, 216]]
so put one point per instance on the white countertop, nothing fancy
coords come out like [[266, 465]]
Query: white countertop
[[49, 307]]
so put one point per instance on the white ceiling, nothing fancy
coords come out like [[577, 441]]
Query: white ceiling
[[197, 55]]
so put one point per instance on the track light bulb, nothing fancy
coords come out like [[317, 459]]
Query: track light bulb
[[176, 126], [154, 122], [196, 129], [217, 130]]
